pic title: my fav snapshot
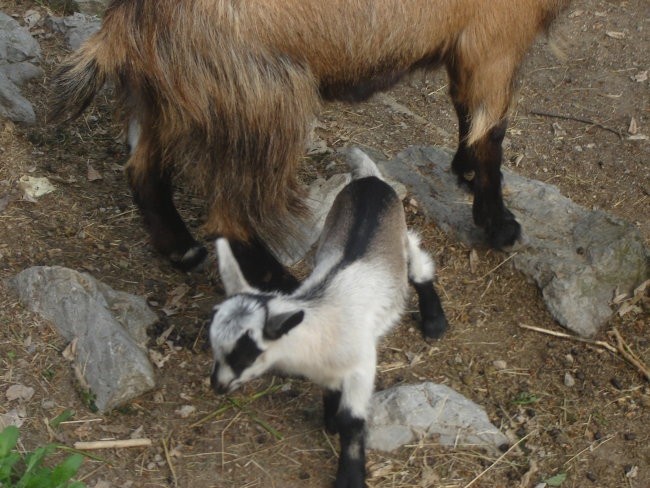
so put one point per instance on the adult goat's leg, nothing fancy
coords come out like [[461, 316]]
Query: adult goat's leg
[[260, 268], [489, 210], [153, 194], [481, 95], [464, 163]]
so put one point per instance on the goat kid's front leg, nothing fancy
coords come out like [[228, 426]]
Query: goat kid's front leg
[[351, 424], [331, 402]]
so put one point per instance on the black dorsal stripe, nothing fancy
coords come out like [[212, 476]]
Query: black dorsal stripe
[[370, 197]]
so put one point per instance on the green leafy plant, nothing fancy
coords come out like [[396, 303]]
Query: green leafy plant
[[29, 470], [556, 480], [525, 398]]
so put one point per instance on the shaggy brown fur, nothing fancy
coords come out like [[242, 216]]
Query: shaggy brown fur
[[224, 90]]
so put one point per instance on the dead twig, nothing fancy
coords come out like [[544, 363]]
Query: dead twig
[[114, 444], [627, 353], [621, 349], [168, 458], [577, 119], [499, 265], [562, 335], [498, 460]]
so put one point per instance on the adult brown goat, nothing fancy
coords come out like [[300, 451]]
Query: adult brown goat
[[224, 92]]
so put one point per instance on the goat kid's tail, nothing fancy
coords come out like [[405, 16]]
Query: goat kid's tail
[[421, 268], [361, 165]]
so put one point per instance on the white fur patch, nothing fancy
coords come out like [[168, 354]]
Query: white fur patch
[[421, 266], [133, 135]]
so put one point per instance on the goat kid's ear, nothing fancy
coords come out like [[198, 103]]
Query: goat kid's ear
[[278, 325], [231, 275]]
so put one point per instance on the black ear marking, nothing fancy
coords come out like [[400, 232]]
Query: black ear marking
[[278, 325]]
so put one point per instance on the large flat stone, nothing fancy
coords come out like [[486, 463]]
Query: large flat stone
[[406, 414], [579, 257], [109, 326]]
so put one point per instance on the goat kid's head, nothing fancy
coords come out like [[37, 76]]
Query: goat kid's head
[[243, 327]]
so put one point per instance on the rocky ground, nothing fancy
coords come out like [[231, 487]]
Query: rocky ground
[[579, 413]]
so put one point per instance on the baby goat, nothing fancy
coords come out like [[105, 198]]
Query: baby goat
[[327, 330], [224, 91]]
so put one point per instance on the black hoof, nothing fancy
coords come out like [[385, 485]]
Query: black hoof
[[466, 182], [351, 476], [504, 233], [191, 260], [434, 328]]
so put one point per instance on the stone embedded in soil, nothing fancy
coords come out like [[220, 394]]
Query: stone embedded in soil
[[404, 414], [578, 257], [569, 381], [18, 50], [76, 28], [109, 325]]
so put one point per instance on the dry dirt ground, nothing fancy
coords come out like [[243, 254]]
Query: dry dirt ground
[[596, 432]]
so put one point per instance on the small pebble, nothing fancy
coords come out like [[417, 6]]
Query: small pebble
[[616, 383], [568, 380], [631, 471], [500, 365], [591, 476]]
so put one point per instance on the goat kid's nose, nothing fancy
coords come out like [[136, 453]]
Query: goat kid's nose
[[214, 383]]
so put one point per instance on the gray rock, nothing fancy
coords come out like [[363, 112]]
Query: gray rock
[[16, 43], [110, 328], [578, 257], [408, 413], [76, 28], [21, 73], [17, 50], [13, 105]]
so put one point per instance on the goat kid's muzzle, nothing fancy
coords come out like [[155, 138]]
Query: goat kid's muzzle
[[219, 388]]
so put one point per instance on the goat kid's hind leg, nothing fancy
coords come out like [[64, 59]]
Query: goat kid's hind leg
[[260, 268], [153, 194], [421, 274]]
